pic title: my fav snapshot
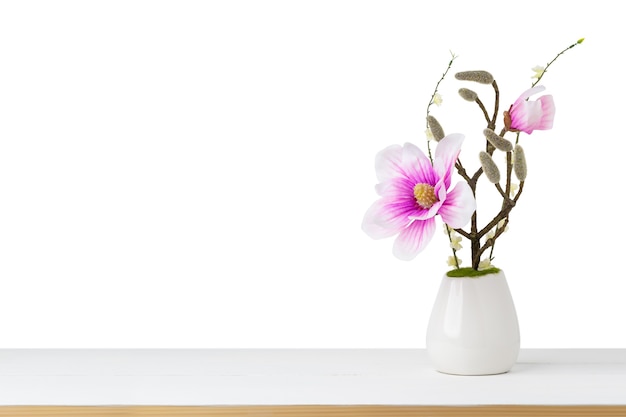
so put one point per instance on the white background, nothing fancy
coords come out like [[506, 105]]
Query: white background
[[194, 174]]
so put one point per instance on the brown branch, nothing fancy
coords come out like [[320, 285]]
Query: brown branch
[[461, 170], [482, 107], [492, 124], [509, 169], [502, 193], [509, 204], [491, 241], [463, 233]]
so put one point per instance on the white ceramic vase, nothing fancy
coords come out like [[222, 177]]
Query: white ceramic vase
[[473, 327]]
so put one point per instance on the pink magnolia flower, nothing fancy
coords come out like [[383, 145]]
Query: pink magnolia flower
[[412, 191], [526, 116]]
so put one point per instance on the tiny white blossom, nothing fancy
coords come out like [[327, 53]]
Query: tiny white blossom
[[455, 242], [429, 134], [437, 99], [538, 71], [484, 264], [452, 261], [501, 225], [456, 245], [490, 234], [514, 188]]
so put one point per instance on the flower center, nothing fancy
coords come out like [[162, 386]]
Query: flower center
[[425, 195]]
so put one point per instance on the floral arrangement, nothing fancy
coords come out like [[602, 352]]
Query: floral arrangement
[[415, 187]]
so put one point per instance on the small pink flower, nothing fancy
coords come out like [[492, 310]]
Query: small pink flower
[[526, 116], [412, 191]]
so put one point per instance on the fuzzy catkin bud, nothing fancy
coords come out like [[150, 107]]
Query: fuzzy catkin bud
[[468, 94], [482, 77], [498, 141], [489, 167], [435, 128], [519, 163]]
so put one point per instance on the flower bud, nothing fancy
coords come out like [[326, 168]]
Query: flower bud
[[435, 128], [498, 141], [519, 163], [468, 94], [482, 77], [489, 167]]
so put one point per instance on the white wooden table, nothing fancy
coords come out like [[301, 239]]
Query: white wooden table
[[285, 382]]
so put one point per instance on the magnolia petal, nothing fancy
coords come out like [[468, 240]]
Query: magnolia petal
[[530, 92], [441, 190], [548, 108], [459, 206], [411, 152], [387, 162], [448, 149], [424, 214], [527, 116], [446, 154], [413, 239], [416, 165], [400, 188], [384, 219], [532, 116]]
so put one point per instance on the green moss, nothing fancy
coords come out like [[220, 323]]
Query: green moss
[[471, 273]]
